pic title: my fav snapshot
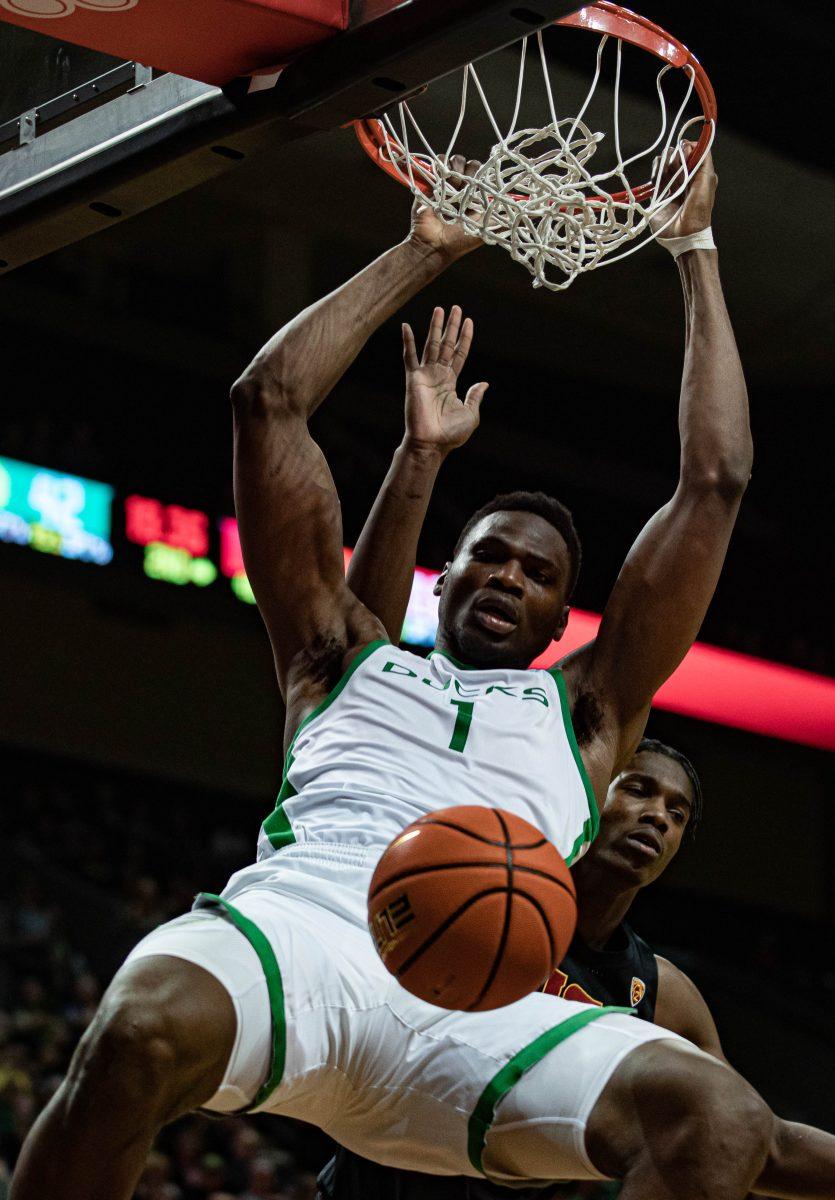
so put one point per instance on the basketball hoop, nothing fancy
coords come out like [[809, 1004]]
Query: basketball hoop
[[536, 194]]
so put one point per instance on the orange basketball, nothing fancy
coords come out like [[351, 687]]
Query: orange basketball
[[471, 908]]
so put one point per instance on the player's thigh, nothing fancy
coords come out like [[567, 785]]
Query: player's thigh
[[211, 977], [536, 1119], [298, 966], [671, 1102], [502, 1094], [158, 1043]]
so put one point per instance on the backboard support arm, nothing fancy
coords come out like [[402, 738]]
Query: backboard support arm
[[152, 143]]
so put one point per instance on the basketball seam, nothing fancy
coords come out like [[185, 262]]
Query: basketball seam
[[508, 908], [532, 900], [444, 926], [429, 820], [453, 917], [458, 866]]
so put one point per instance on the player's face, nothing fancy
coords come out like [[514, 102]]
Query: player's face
[[503, 597], [643, 821]]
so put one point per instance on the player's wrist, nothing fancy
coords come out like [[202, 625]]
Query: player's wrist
[[427, 256], [699, 269], [688, 243], [422, 452]]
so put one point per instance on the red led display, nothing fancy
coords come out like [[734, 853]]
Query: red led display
[[143, 520], [148, 521], [231, 555]]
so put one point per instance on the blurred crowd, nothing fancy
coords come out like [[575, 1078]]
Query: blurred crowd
[[93, 867], [65, 445], [48, 995]]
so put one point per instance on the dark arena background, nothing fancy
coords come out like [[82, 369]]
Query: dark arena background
[[141, 729]]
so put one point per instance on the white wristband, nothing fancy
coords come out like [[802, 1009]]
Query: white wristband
[[703, 240]]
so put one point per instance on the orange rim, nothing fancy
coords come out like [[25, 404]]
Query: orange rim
[[604, 18]]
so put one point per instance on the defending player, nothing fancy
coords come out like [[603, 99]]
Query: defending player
[[272, 998]]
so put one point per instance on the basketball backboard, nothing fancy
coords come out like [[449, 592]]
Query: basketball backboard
[[88, 139]]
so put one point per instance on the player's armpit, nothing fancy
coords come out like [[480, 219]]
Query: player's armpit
[[291, 537], [681, 1008]]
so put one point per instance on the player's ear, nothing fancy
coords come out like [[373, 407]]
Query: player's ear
[[559, 628], [441, 580]]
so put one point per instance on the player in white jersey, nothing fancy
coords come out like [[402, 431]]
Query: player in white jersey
[[397, 727], [271, 997]]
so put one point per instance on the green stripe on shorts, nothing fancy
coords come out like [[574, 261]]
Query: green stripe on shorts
[[275, 988], [512, 1072]]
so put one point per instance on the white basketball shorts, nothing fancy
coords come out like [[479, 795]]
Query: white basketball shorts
[[326, 1035]]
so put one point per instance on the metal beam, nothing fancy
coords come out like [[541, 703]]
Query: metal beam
[[171, 134], [80, 99]]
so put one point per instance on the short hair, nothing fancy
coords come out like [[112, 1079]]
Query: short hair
[[652, 746], [540, 505]]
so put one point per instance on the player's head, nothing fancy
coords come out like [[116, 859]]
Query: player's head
[[504, 596], [652, 806]]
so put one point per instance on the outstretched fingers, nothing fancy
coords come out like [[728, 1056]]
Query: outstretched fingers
[[410, 357], [434, 338], [474, 397], [462, 348], [450, 338], [447, 344]]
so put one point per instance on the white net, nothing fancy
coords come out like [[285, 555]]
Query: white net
[[536, 193]]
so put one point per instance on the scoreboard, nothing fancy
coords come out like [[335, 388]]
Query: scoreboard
[[66, 515], [55, 513], [75, 518]]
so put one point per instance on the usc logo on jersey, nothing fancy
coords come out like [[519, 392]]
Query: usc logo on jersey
[[558, 985], [46, 9]]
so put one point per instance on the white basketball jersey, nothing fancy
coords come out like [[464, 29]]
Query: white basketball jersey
[[401, 736]]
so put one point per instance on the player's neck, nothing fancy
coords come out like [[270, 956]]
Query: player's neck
[[449, 648], [602, 906]]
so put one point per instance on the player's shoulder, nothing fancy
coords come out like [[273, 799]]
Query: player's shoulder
[[678, 987], [674, 979], [681, 1008]]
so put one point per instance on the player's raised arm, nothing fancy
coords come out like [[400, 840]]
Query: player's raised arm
[[287, 506], [665, 586], [382, 568]]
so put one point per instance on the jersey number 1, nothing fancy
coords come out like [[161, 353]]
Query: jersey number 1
[[463, 721]]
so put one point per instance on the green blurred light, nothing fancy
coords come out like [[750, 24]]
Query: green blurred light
[[173, 565], [242, 589], [48, 541]]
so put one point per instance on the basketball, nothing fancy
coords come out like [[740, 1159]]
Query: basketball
[[471, 908]]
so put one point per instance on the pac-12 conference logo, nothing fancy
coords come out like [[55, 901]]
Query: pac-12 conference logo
[[45, 9]]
